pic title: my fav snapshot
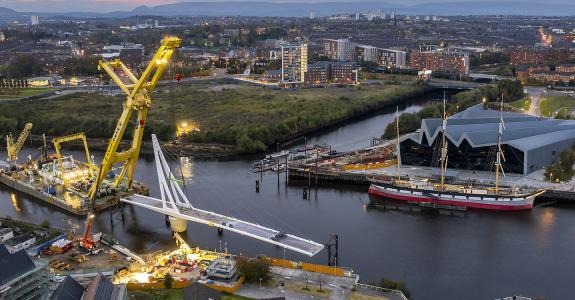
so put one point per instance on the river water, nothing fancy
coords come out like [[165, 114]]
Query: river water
[[473, 255]]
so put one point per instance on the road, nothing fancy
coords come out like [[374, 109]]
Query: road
[[537, 94]]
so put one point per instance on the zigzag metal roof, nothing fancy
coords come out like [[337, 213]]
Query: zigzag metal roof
[[479, 128]]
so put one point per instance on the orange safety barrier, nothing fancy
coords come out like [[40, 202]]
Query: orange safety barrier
[[283, 263], [226, 289]]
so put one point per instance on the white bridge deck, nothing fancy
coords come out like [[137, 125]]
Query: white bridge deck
[[175, 203], [252, 230]]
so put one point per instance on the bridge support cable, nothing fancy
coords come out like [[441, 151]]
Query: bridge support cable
[[174, 203]]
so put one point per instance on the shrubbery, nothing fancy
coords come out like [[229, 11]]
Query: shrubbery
[[562, 170], [254, 269], [248, 117]]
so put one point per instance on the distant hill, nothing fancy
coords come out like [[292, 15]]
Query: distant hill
[[260, 8], [492, 8], [7, 11], [302, 9]]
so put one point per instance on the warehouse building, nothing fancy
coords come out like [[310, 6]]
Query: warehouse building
[[529, 143]]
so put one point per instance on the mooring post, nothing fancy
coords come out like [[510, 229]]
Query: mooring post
[[287, 170]]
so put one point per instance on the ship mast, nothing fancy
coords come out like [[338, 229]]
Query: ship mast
[[498, 165], [398, 151], [443, 158]]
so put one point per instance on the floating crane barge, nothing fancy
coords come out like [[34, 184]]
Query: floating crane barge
[[82, 187]]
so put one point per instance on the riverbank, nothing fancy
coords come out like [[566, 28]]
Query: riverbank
[[221, 119]]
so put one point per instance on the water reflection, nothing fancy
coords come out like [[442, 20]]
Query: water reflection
[[186, 168], [15, 203]]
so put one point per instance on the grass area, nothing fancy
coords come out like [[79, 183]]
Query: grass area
[[251, 118], [550, 105], [28, 92], [524, 103], [360, 296], [234, 297], [311, 290], [171, 294]]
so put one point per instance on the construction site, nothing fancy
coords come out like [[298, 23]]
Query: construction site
[[85, 187]]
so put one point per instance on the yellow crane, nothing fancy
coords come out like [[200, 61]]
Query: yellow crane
[[68, 138], [13, 148], [137, 102]]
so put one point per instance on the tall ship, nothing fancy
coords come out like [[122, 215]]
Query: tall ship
[[439, 194]]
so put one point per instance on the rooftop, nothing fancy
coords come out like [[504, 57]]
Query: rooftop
[[14, 265], [479, 127], [69, 289]]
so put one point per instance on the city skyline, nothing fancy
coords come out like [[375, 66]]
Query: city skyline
[[105, 6]]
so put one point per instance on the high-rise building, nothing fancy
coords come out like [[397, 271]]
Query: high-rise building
[[294, 63], [34, 20], [340, 49], [357, 15], [2, 37], [441, 60], [312, 14]]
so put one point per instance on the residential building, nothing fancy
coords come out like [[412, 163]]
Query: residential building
[[129, 53], [343, 73], [525, 71], [553, 76], [441, 60], [391, 58], [294, 63], [340, 49], [324, 72], [20, 242], [318, 73], [34, 20], [523, 56], [364, 53], [20, 277], [272, 76], [2, 37], [565, 68], [346, 50]]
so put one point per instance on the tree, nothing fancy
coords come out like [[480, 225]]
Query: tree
[[510, 89], [87, 65], [25, 65], [45, 224], [254, 269], [369, 66], [168, 281], [395, 285]]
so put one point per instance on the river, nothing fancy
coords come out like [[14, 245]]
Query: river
[[473, 255]]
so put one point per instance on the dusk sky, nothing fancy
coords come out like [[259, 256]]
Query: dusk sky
[[115, 5]]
